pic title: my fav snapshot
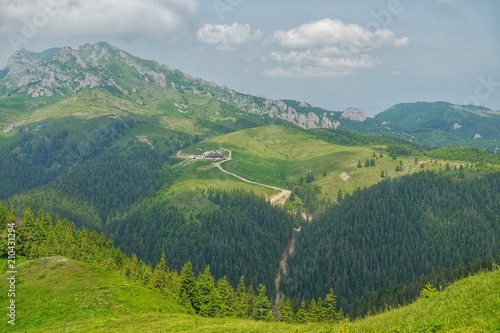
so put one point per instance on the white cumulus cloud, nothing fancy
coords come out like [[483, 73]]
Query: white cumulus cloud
[[227, 37], [106, 18], [328, 48]]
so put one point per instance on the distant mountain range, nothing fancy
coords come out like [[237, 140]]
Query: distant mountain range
[[58, 73]]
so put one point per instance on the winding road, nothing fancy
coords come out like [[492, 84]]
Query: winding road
[[278, 199]]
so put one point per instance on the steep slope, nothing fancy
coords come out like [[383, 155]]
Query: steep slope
[[470, 305], [240, 235], [374, 246], [70, 295], [60, 72], [443, 124]]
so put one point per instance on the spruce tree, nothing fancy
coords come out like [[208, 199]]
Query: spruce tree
[[241, 299], [262, 309], [206, 294], [285, 310], [188, 293], [227, 297], [25, 233], [331, 306], [301, 315], [159, 278], [251, 298]]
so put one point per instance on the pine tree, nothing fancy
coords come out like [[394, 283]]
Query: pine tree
[[251, 299], [314, 313], [159, 278], [301, 315], [188, 292], [262, 309], [241, 299], [428, 291], [25, 233], [130, 267], [359, 164], [331, 306], [206, 286], [144, 273], [285, 310], [172, 284], [227, 297]]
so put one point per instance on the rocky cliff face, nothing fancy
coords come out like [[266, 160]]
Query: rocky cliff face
[[354, 114], [65, 71]]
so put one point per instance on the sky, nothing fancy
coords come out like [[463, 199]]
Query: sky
[[369, 54]]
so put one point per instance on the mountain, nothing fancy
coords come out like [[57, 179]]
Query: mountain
[[443, 124], [118, 145], [61, 72], [37, 79]]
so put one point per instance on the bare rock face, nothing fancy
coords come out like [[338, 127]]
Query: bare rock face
[[354, 114]]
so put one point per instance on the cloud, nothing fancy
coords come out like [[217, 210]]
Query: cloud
[[227, 37], [105, 18], [328, 48]]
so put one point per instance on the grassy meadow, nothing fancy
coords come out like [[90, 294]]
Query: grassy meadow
[[61, 295]]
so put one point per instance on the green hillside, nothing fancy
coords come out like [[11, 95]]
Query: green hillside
[[441, 124], [106, 142], [281, 156], [377, 245], [67, 294], [61, 295]]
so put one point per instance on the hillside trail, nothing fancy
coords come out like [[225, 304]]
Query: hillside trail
[[278, 199]]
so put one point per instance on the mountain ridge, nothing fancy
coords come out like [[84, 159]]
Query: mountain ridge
[[59, 73], [65, 71]]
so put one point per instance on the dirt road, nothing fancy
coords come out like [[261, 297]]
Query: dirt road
[[278, 199]]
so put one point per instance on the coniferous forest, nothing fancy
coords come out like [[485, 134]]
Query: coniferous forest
[[376, 248], [378, 245], [244, 235], [38, 236]]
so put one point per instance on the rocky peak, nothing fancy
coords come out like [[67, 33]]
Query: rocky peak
[[65, 71], [354, 114]]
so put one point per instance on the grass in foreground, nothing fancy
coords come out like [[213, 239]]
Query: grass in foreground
[[60, 295]]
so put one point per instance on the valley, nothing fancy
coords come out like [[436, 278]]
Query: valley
[[327, 216]]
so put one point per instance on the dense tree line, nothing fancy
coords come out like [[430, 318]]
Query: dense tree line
[[469, 156], [245, 235], [38, 236], [89, 179], [104, 186], [382, 239], [353, 138], [40, 154]]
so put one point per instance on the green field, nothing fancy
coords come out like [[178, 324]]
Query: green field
[[278, 156], [61, 295], [61, 292]]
